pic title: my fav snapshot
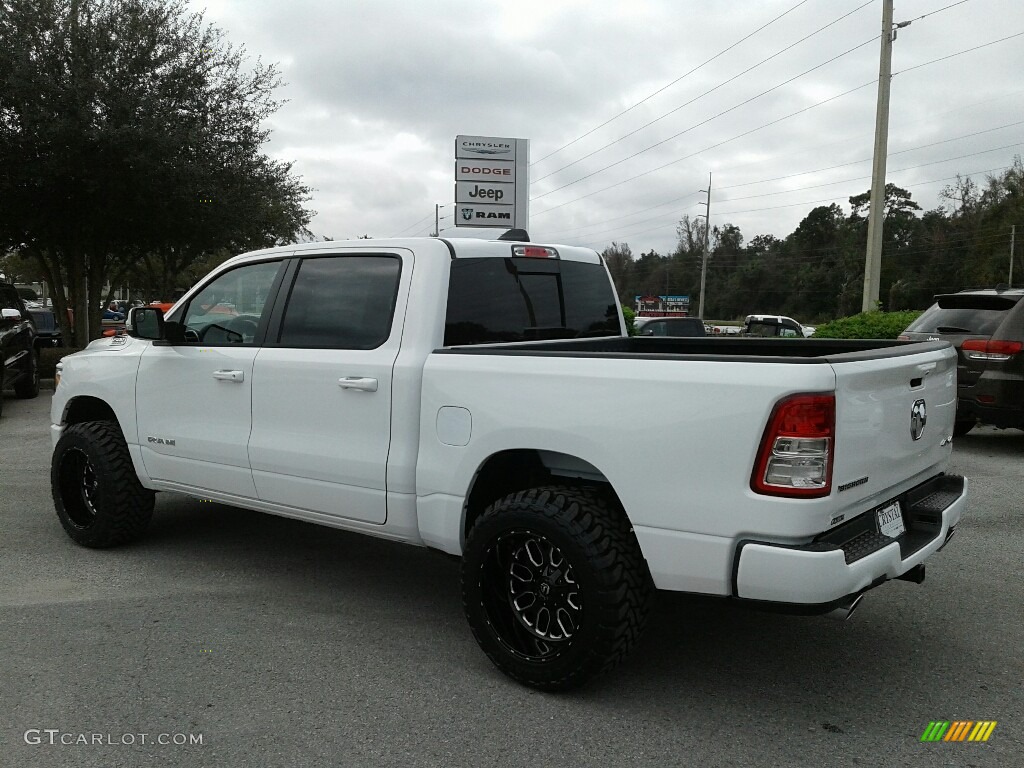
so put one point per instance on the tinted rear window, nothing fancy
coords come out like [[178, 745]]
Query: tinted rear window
[[673, 328], [951, 316], [521, 299], [44, 320]]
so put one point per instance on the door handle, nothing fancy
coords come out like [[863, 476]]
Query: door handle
[[358, 382], [235, 376]]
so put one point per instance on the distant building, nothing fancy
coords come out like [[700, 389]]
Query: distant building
[[662, 306]]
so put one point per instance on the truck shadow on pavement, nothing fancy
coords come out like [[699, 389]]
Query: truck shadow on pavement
[[994, 442], [709, 651]]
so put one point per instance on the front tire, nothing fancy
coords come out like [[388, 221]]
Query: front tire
[[554, 586], [97, 495]]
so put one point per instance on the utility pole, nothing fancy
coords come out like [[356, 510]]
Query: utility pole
[[437, 220], [1013, 236], [704, 261], [873, 258]]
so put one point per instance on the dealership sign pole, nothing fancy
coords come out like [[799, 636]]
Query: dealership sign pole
[[492, 182]]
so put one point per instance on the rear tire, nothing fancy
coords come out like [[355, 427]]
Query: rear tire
[[961, 428], [554, 586], [28, 388], [97, 495]]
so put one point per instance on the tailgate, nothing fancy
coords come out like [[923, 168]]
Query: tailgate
[[894, 421]]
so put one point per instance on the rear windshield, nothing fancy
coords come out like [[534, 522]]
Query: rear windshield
[[952, 316], [44, 320], [523, 299]]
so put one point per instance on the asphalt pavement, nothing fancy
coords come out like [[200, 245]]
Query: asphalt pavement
[[279, 643]]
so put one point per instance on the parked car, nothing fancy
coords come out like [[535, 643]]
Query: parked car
[[987, 328], [20, 360], [672, 326], [48, 333], [774, 325]]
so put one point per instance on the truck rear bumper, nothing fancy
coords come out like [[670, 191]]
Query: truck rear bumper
[[853, 557]]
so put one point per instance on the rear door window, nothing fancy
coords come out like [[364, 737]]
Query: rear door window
[[342, 302], [522, 299]]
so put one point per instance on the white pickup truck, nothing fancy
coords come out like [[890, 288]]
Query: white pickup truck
[[482, 398]]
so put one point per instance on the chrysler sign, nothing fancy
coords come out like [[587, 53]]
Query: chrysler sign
[[491, 182]]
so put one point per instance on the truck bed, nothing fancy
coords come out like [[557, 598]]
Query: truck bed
[[722, 348]]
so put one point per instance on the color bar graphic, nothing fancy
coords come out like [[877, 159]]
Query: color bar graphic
[[959, 730], [935, 731]]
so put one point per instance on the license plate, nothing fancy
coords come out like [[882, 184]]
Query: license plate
[[890, 520]]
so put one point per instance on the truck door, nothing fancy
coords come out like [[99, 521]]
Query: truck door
[[321, 426], [194, 398]]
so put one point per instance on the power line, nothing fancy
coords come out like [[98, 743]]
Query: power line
[[861, 178], [413, 226], [626, 215], [792, 205], [897, 170], [932, 13], [958, 53], [705, 93], [708, 120], [868, 159], [930, 117], [701, 151], [765, 125], [665, 87], [815, 186]]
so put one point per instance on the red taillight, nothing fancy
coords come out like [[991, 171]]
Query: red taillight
[[795, 457], [982, 349], [903, 337]]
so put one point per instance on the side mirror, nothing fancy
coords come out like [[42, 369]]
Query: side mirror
[[10, 314], [145, 323]]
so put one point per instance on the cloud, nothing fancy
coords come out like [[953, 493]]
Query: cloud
[[378, 91]]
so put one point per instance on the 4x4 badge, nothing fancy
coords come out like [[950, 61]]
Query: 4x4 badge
[[918, 418]]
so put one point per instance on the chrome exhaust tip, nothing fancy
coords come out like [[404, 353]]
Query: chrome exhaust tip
[[845, 610]]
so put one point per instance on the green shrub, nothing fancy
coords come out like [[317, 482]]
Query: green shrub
[[630, 317], [867, 325]]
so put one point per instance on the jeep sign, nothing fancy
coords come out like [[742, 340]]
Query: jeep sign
[[491, 182], [484, 192]]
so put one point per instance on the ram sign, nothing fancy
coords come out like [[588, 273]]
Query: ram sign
[[492, 181]]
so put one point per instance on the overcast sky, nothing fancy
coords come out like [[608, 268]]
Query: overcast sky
[[377, 91]]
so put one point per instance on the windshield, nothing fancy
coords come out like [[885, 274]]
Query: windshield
[[965, 320]]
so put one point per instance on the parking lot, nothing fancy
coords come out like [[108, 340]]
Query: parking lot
[[280, 643]]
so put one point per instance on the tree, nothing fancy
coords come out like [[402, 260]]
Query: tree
[[619, 259], [897, 200], [130, 138]]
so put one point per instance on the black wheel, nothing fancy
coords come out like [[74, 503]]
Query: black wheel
[[96, 492], [554, 586], [28, 387], [961, 428]]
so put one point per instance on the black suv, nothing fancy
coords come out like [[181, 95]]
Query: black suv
[[672, 326], [987, 328], [17, 346], [48, 333]]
